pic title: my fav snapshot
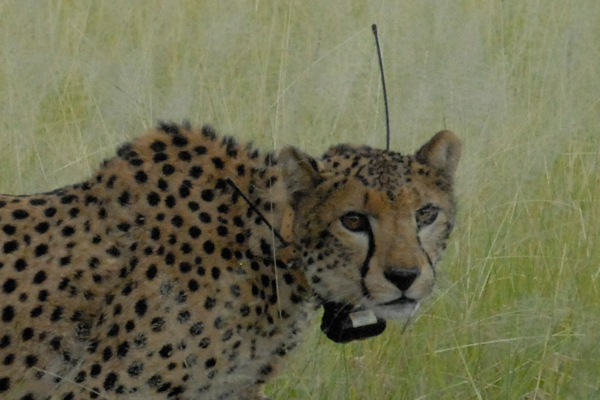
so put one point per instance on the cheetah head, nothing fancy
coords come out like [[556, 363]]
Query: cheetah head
[[370, 226]]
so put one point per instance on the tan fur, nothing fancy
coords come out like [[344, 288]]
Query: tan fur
[[154, 279]]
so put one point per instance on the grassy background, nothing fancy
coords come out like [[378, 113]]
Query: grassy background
[[516, 313]]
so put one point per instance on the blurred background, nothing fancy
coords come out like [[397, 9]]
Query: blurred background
[[516, 310]]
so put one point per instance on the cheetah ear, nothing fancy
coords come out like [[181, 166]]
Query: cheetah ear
[[441, 152], [300, 173]]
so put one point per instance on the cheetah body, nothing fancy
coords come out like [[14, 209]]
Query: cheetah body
[[156, 279]]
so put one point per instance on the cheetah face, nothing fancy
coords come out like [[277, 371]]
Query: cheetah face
[[371, 225]]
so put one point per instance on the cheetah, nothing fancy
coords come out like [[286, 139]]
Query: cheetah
[[188, 266]]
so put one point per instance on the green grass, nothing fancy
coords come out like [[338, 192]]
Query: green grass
[[516, 310]]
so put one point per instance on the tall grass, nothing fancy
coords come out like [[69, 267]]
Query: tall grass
[[516, 314]]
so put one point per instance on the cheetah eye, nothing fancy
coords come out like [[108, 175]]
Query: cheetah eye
[[426, 215], [355, 222]]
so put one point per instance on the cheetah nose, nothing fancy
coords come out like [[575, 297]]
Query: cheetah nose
[[402, 277]]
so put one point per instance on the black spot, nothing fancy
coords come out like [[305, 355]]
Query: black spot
[[130, 325], [36, 312], [110, 381], [180, 141], [20, 214], [170, 201], [8, 313], [170, 258], [141, 177], [4, 384], [207, 195], [241, 170], [122, 349], [95, 370], [50, 212], [197, 329], [42, 227], [113, 330], [193, 285], [153, 199], [177, 221], [162, 184], [68, 199], [210, 303], [9, 229], [107, 354], [266, 369], [218, 163], [160, 157], [90, 199], [222, 230], [205, 217], [124, 198], [209, 247], [9, 359], [170, 128], [168, 169], [68, 231], [215, 272], [158, 146], [4, 341], [195, 232], [80, 377], [151, 272], [9, 286], [55, 343], [157, 324], [39, 277], [185, 267], [141, 307], [37, 202], [166, 351], [10, 247], [135, 369], [211, 362], [177, 390], [244, 310], [266, 248], [93, 262], [184, 190], [64, 284], [184, 156], [30, 360], [265, 280], [124, 227], [204, 343], [43, 295], [113, 251], [288, 278], [295, 298], [226, 254], [196, 171], [57, 314], [200, 150]]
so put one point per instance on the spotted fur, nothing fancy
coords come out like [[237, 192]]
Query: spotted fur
[[154, 279]]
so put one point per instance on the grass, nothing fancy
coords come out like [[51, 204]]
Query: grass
[[515, 314]]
